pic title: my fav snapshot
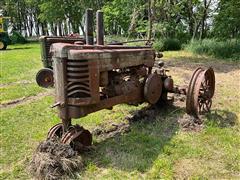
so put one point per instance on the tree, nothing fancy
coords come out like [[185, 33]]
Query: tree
[[227, 21]]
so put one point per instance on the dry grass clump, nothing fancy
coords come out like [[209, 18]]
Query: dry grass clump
[[53, 160]]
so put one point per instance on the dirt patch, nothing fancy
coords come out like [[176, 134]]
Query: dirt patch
[[112, 131], [190, 123], [53, 160], [24, 100], [23, 82], [186, 122], [146, 114]]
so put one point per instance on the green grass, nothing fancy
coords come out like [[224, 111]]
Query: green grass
[[219, 49], [154, 149], [19, 65], [19, 62], [16, 91]]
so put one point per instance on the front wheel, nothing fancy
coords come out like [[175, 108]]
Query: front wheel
[[3, 45], [45, 78]]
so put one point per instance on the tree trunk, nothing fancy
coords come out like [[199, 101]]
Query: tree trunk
[[190, 18], [82, 29], [204, 17], [133, 24], [150, 19], [60, 29], [43, 29]]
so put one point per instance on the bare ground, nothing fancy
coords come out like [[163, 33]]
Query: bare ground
[[16, 83], [24, 100]]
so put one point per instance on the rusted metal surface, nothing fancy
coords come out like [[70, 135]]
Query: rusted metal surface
[[89, 27], [168, 84], [200, 92], [89, 78], [44, 78], [55, 131], [100, 28], [153, 88], [77, 137], [148, 42], [47, 41]]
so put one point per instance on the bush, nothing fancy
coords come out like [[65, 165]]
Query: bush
[[167, 45], [215, 48], [158, 45], [17, 38], [172, 45]]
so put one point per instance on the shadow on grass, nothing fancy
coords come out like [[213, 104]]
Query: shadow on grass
[[138, 149], [222, 118], [192, 63]]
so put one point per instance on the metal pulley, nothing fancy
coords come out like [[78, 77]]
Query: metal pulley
[[153, 88]]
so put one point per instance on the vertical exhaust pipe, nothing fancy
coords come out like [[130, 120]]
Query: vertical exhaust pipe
[[89, 27], [100, 28]]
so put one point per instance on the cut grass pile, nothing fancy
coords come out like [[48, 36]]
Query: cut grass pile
[[156, 148]]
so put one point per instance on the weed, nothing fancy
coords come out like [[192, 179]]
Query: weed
[[218, 49]]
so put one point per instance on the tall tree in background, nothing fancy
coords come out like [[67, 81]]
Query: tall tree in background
[[180, 19], [227, 21]]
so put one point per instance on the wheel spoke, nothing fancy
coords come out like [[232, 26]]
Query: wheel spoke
[[202, 86]]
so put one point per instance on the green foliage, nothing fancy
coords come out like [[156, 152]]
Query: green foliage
[[171, 30], [5, 37], [167, 44], [158, 45], [226, 22], [17, 38], [172, 44], [118, 14], [215, 48]]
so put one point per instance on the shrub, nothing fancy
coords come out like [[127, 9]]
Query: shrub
[[168, 44], [158, 45], [215, 48], [17, 38], [172, 45]]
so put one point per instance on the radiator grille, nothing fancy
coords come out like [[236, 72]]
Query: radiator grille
[[78, 80], [47, 46]]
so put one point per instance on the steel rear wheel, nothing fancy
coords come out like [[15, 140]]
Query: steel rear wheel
[[200, 92]]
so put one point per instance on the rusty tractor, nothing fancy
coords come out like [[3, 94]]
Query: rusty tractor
[[91, 77]]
